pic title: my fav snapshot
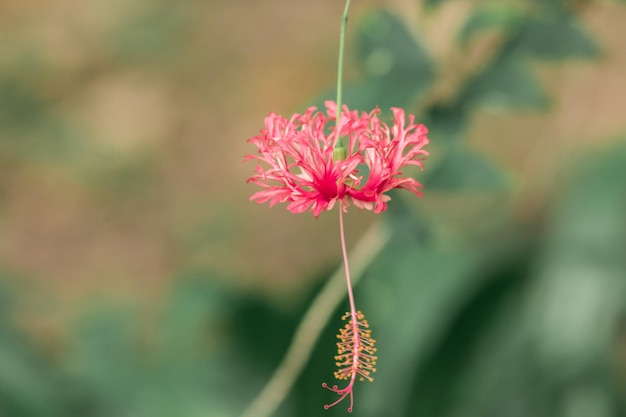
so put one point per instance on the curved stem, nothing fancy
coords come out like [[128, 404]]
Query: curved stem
[[353, 314], [347, 269], [312, 324]]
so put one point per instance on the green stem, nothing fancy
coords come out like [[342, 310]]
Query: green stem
[[342, 43]]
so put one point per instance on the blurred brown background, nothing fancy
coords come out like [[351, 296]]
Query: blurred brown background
[[136, 279], [122, 161]]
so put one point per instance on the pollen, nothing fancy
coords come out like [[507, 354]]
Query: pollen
[[355, 349], [355, 358]]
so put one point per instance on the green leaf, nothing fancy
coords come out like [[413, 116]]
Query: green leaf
[[29, 382], [396, 67], [466, 364], [579, 300], [556, 38], [412, 293], [383, 93], [551, 6], [386, 46], [154, 34], [433, 3], [446, 122], [194, 306], [105, 353], [19, 105], [505, 83], [26, 382], [492, 17], [464, 170]]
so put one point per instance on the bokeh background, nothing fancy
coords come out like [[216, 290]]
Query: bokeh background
[[137, 280]]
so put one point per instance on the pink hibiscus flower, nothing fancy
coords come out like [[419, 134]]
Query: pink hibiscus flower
[[298, 163]]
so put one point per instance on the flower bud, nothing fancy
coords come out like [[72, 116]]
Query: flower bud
[[339, 153]]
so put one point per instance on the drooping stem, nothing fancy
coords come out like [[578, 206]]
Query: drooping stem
[[317, 316], [347, 267], [353, 312], [342, 43], [355, 350], [349, 346]]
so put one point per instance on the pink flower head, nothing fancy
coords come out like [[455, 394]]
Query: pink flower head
[[302, 170]]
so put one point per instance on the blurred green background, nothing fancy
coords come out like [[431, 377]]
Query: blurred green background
[[137, 280]]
